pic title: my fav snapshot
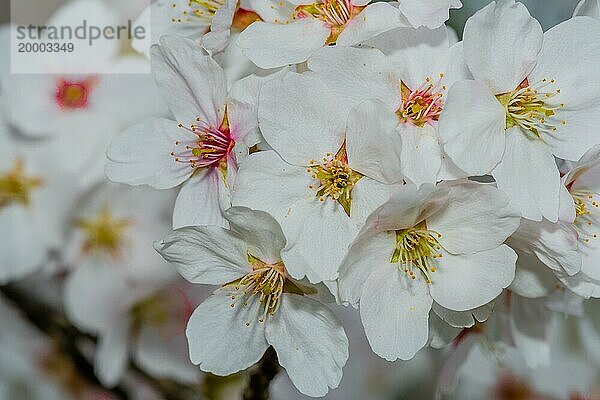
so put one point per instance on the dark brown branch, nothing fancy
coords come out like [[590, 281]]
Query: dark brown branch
[[65, 336], [260, 379]]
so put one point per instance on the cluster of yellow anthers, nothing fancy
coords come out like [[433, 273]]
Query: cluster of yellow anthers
[[417, 247], [198, 9], [266, 281], [208, 148], [528, 107], [335, 179], [585, 202], [16, 186], [104, 233], [422, 105]]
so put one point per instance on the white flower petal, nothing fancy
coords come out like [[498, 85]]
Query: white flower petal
[[590, 8], [530, 177], [394, 310], [164, 356], [478, 217], [421, 157], [301, 129], [472, 127], [555, 244], [201, 200], [310, 343], [23, 247], [408, 206], [372, 144], [220, 28], [569, 55], [265, 182], [96, 295], [416, 54], [367, 195], [431, 14], [272, 45], [464, 282], [357, 75], [191, 83], [207, 255], [368, 253], [376, 18], [501, 43], [318, 236], [224, 340], [142, 155], [112, 353], [260, 231]]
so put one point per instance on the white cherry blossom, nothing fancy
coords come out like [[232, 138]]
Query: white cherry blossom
[[201, 149], [442, 244], [258, 304], [532, 99]]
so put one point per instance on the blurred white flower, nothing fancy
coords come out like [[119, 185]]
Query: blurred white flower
[[258, 304], [122, 291], [201, 149], [441, 244], [532, 99]]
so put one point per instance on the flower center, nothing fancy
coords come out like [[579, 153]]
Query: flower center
[[335, 13], [417, 247], [266, 281], [334, 179], [422, 105], [15, 186], [72, 95], [104, 232], [586, 215], [197, 11], [210, 146], [527, 107]]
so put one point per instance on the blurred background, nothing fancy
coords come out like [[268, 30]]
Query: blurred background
[[60, 322]]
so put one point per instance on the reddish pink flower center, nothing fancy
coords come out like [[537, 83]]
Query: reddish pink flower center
[[72, 95], [208, 148], [422, 105]]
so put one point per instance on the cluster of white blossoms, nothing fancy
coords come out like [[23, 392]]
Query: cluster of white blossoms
[[374, 158], [324, 153]]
